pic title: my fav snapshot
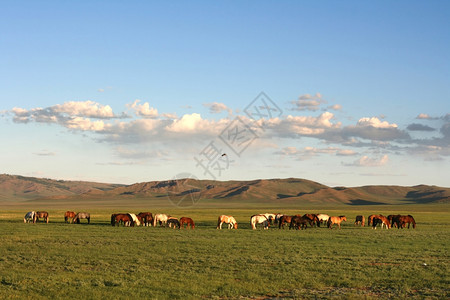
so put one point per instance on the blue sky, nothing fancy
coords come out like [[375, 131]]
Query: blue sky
[[133, 91]]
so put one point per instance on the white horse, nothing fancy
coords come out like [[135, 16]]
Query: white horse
[[323, 218], [135, 220], [161, 218], [259, 219], [30, 217], [227, 219]]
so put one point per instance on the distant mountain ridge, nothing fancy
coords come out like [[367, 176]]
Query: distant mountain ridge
[[290, 190]]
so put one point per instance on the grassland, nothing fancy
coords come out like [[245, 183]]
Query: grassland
[[98, 261]]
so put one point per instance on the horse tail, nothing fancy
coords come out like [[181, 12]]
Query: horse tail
[[218, 223], [329, 222], [413, 221]]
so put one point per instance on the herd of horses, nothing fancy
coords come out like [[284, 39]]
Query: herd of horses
[[264, 220]]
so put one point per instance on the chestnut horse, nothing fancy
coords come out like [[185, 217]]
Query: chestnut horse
[[380, 219], [283, 220], [82, 215], [407, 219], [335, 220], [125, 219], [42, 214], [188, 221], [146, 218], [68, 216], [30, 217], [360, 220], [227, 219]]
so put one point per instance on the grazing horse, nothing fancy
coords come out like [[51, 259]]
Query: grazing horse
[[30, 217], [313, 219], [259, 219], [393, 219], [135, 220], [161, 219], [407, 219], [283, 220], [298, 222], [125, 219], [173, 222], [43, 215], [188, 221], [370, 218], [146, 218], [360, 220], [68, 216], [82, 215], [270, 217], [278, 218], [335, 220], [227, 219], [323, 218], [380, 219]]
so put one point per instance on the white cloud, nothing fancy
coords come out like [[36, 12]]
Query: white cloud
[[143, 110], [375, 122], [84, 109], [424, 117], [335, 107], [366, 161], [216, 108], [308, 102]]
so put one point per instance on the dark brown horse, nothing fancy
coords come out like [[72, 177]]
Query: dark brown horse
[[393, 219], [188, 221], [298, 222], [313, 219], [173, 222], [68, 216], [146, 218], [43, 215], [360, 220]]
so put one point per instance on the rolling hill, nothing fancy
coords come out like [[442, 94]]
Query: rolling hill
[[291, 190]]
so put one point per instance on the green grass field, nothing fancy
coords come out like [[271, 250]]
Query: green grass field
[[98, 261]]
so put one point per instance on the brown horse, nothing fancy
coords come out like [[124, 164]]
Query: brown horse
[[125, 219], [68, 216], [313, 219], [298, 222], [393, 219], [283, 220], [336, 220], [146, 218], [360, 220], [403, 220], [43, 215], [380, 219], [188, 221]]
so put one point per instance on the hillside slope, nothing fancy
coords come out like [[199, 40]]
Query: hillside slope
[[290, 190]]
